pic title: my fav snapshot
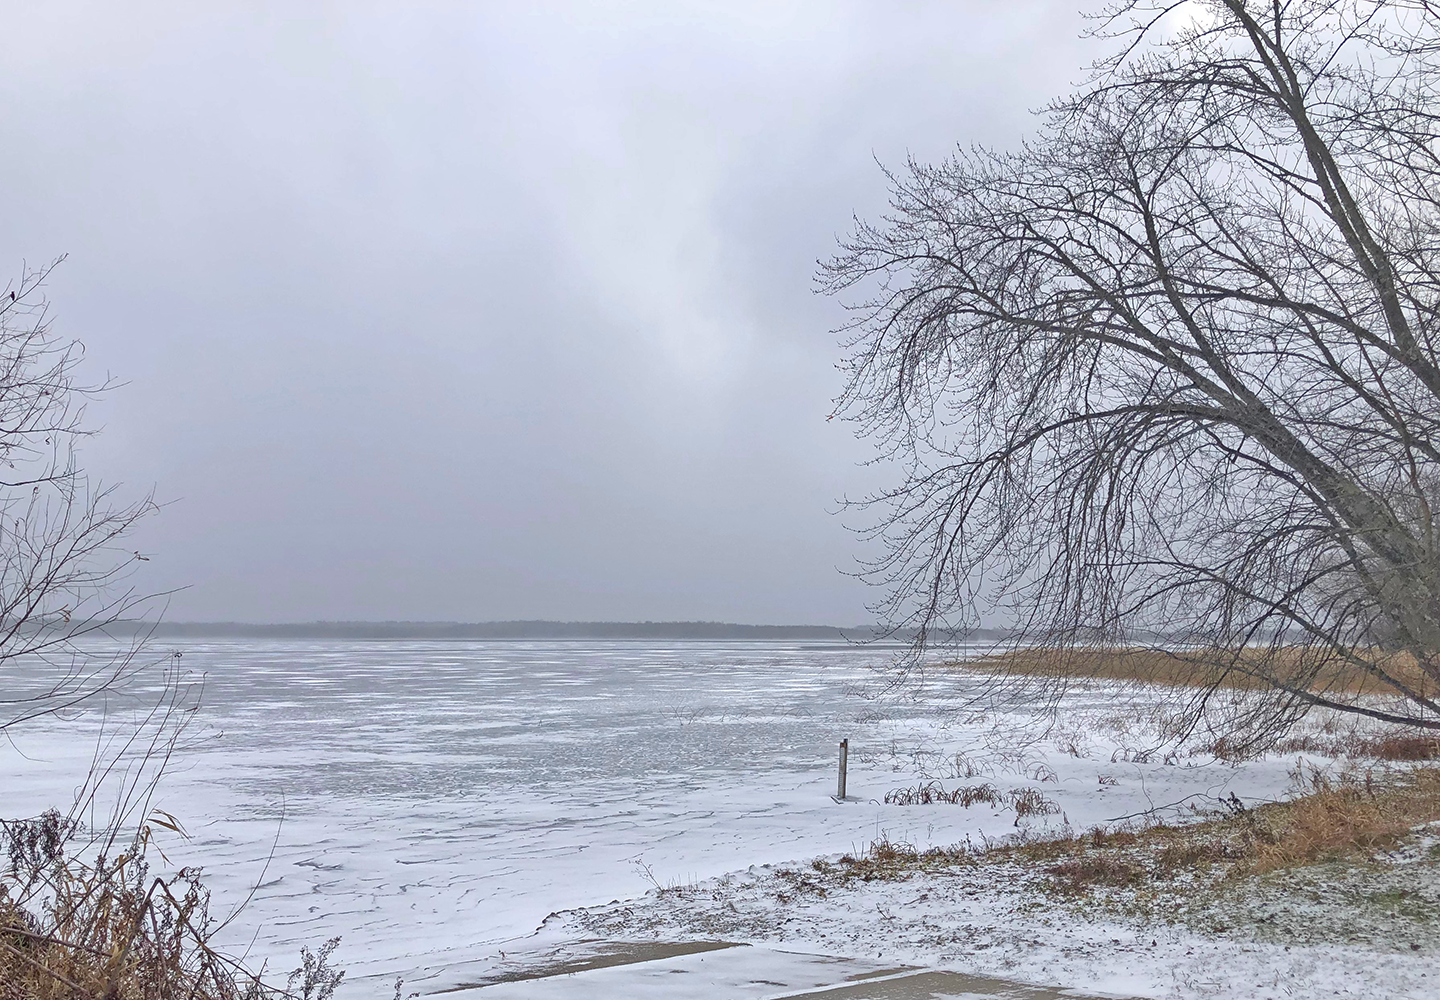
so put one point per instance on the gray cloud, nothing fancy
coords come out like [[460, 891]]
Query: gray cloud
[[486, 311]]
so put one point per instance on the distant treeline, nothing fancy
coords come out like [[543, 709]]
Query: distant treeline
[[504, 630], [522, 630]]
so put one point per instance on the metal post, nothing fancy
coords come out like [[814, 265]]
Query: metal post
[[844, 760]]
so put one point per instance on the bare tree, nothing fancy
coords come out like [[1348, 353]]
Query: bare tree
[[1170, 369], [63, 567], [81, 912]]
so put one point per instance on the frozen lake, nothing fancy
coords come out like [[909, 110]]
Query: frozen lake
[[430, 800], [466, 790]]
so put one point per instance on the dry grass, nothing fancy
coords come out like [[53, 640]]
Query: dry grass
[[113, 930], [1029, 802], [1025, 801], [1354, 816], [888, 860], [1393, 746], [934, 792], [1074, 875], [1204, 667], [1351, 817]]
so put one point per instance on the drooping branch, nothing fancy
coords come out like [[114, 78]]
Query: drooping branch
[[1169, 370]]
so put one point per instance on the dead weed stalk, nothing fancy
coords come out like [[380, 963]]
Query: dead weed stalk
[[1025, 801], [112, 929]]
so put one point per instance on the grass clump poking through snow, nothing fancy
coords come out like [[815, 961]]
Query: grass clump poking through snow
[[115, 930], [934, 792], [889, 860], [1025, 801]]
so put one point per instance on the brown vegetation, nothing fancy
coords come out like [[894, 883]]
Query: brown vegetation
[[1246, 669], [934, 792], [1389, 746], [113, 930], [1337, 819], [1025, 801], [888, 860], [1349, 817], [1101, 869]]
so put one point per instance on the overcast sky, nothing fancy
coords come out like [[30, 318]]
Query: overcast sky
[[479, 311]]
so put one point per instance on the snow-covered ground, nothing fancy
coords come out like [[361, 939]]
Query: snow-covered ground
[[1323, 932], [431, 802]]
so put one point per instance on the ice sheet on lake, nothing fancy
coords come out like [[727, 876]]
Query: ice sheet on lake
[[439, 798]]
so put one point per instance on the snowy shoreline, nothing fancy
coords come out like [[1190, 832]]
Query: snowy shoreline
[[1348, 928], [971, 926], [431, 803]]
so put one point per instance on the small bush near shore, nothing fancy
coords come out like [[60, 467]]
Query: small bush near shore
[[113, 930]]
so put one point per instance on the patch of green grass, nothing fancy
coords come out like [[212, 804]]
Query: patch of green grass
[[1407, 904]]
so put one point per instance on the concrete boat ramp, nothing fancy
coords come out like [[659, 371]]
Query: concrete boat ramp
[[591, 970]]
